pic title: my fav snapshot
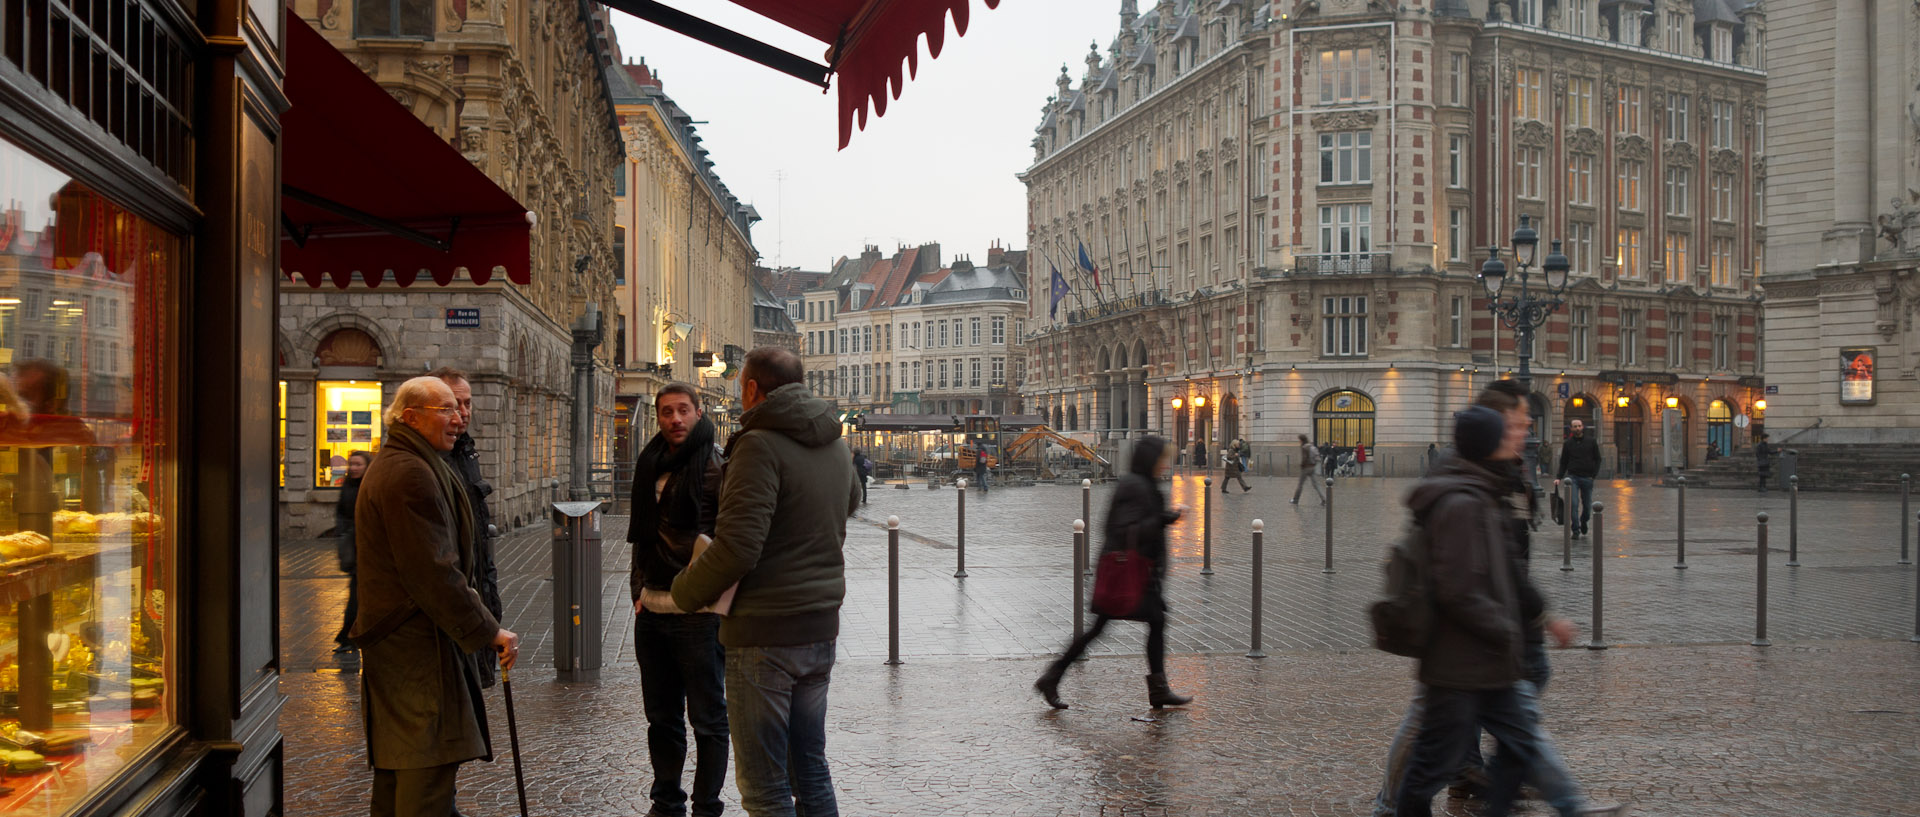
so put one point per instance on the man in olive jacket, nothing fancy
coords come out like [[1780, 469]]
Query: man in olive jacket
[[420, 616], [789, 488]]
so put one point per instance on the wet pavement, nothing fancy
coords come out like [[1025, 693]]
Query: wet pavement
[[1684, 718]]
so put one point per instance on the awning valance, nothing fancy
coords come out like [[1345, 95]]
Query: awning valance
[[868, 40], [367, 187]]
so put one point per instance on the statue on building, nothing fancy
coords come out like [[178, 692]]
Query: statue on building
[[1901, 226]]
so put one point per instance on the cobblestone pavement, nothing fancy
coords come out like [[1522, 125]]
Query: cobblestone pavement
[[1673, 725]]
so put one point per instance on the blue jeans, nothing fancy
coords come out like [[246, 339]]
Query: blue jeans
[[1582, 499], [1449, 718], [681, 680], [777, 707]]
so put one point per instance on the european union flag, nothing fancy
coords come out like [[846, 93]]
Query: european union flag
[[1059, 292]]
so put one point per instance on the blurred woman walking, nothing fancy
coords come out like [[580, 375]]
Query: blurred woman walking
[[1137, 520]]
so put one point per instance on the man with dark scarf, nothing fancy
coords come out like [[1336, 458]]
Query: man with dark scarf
[[465, 460], [676, 496]]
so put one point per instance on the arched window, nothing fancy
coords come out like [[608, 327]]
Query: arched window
[[1720, 427], [1343, 418]]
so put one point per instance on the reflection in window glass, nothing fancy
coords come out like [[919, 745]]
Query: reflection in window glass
[[86, 486]]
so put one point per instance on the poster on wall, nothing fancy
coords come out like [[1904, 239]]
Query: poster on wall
[[1856, 376], [336, 435], [336, 418]]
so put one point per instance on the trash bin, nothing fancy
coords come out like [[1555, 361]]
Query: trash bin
[[576, 590], [1789, 460]]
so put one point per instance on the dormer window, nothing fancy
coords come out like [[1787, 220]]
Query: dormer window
[[1527, 13], [1722, 44]]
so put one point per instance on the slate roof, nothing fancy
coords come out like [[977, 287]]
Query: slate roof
[[1717, 11]]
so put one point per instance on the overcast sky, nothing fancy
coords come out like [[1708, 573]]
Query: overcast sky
[[938, 167]]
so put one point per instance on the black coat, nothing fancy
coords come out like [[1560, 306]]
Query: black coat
[[343, 524], [1137, 516], [465, 459], [1579, 456], [1477, 640]]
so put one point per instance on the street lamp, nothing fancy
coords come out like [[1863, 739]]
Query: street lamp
[[1525, 311], [1177, 403]]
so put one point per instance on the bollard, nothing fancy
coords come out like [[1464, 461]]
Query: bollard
[[961, 571], [1566, 533], [1793, 521], [1597, 530], [1086, 516], [1259, 535], [1329, 567], [1906, 490], [1079, 585], [1760, 591], [1681, 529], [893, 590], [1206, 526], [1916, 594]]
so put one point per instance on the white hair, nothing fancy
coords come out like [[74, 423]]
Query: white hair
[[419, 391]]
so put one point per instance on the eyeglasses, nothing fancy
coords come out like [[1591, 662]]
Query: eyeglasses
[[445, 411]]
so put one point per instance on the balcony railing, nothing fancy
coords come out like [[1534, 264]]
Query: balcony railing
[[1342, 263]]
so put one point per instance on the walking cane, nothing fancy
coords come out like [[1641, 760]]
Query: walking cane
[[513, 735]]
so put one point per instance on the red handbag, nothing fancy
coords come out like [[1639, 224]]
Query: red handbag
[[1120, 582]]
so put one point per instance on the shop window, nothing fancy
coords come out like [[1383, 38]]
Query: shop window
[[87, 490], [1344, 418], [346, 419], [393, 18]]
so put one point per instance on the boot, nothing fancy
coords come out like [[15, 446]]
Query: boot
[[1159, 694], [1049, 688]]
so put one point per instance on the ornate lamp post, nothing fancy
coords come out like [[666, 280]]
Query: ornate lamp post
[[1527, 309]]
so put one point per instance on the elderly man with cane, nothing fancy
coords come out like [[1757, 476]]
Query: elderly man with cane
[[421, 616]]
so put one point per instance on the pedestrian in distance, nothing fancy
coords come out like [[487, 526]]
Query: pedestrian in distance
[[1763, 460], [1234, 463], [789, 488], [980, 469], [863, 468], [1137, 520], [421, 617], [1310, 459], [1200, 454], [1579, 461], [343, 531], [465, 459], [1472, 663], [676, 499]]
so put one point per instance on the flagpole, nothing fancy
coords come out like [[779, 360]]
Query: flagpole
[[1075, 264]]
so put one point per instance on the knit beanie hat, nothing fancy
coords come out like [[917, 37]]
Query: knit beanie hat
[[1478, 431]]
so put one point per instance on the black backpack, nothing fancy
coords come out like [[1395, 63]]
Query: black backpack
[[1403, 621]]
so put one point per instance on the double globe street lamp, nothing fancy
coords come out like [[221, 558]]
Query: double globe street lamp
[[1526, 310]]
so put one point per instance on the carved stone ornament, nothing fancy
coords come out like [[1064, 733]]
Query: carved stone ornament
[[1724, 161], [402, 96], [1532, 133], [1759, 169], [1631, 146], [1900, 226], [330, 17], [368, 66], [1583, 140], [1345, 120], [1482, 75], [436, 68], [455, 19], [1679, 154]]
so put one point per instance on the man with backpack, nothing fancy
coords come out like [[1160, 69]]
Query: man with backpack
[[863, 469], [1309, 471], [1459, 599]]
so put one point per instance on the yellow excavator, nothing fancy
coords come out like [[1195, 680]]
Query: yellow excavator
[[1034, 435]]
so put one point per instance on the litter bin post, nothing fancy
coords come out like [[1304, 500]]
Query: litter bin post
[[576, 590]]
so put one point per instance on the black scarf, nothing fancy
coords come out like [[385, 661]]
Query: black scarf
[[683, 505]]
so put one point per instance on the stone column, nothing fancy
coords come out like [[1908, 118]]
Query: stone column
[[1117, 405], [1095, 413], [1850, 240], [1142, 409]]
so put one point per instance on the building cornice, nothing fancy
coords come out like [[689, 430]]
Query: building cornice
[[1192, 76]]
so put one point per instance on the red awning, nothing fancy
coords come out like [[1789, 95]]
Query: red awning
[[366, 187], [868, 41]]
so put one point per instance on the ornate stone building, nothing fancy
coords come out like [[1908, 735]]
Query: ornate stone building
[[1843, 279], [685, 305], [520, 90], [1296, 253]]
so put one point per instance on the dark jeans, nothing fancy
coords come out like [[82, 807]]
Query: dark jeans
[[1448, 728], [777, 697], [980, 480], [353, 608], [1156, 641], [1583, 500], [1233, 476], [414, 792], [1766, 476], [682, 680]]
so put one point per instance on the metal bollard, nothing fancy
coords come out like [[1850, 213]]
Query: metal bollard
[[1906, 490], [1916, 594], [1329, 567], [961, 571], [893, 590], [1566, 533], [1597, 527], [1760, 591], [1793, 521], [1079, 584], [1681, 529], [1206, 526], [1259, 536], [1086, 516]]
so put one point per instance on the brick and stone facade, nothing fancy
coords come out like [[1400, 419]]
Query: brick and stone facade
[[1285, 211]]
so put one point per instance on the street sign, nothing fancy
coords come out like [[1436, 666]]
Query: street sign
[[1566, 390], [1741, 421], [1771, 389], [463, 318]]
